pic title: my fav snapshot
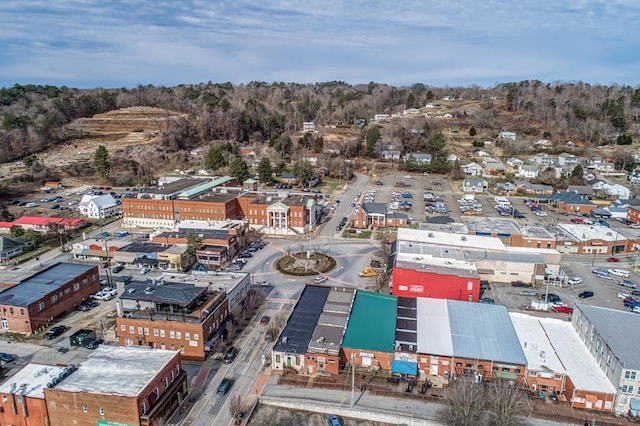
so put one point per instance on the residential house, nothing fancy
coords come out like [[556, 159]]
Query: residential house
[[606, 167], [452, 158], [472, 169], [375, 215], [493, 168], [44, 224], [381, 117], [390, 154], [448, 98], [514, 162], [542, 143], [584, 190], [605, 332], [12, 247], [507, 135], [568, 160], [610, 191], [533, 188], [333, 148], [477, 152], [250, 185], [432, 105], [411, 111], [474, 185], [528, 171], [99, 206], [506, 188], [308, 126], [418, 157], [288, 178], [594, 161], [543, 159]]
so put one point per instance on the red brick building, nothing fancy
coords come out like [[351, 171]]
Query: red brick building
[[411, 279], [119, 385], [34, 302], [375, 215]]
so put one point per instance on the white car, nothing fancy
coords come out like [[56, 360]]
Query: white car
[[623, 295], [320, 279], [574, 281], [102, 296], [619, 272], [636, 309], [109, 290], [527, 293], [264, 284], [407, 177]]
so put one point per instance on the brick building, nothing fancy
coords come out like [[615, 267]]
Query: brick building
[[119, 385], [571, 202], [370, 334], [22, 395], [375, 215], [589, 239], [34, 302], [179, 316]]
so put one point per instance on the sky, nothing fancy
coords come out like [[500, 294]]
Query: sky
[[123, 43]]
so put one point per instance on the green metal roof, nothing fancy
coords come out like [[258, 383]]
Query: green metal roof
[[250, 181], [197, 190], [372, 324]]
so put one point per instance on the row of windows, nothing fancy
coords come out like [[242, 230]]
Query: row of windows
[[58, 296], [630, 375], [629, 389], [160, 332]]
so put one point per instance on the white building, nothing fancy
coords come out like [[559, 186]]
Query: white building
[[99, 206], [472, 169], [528, 171], [507, 135], [308, 126]]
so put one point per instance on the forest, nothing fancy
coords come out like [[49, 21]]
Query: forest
[[32, 117]]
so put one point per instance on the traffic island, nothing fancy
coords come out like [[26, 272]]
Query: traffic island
[[305, 263]]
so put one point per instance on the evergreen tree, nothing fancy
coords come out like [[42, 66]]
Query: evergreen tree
[[265, 171], [303, 171], [101, 161], [239, 169], [214, 160], [472, 131]]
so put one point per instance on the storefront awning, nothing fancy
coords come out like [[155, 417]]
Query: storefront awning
[[506, 375], [404, 367], [124, 257]]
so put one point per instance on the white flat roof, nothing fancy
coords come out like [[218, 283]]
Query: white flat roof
[[117, 370], [35, 376], [433, 314], [436, 261], [449, 239], [592, 232], [578, 363], [536, 346]]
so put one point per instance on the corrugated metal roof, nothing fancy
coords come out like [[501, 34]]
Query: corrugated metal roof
[[434, 331], [372, 323], [619, 330], [191, 192]]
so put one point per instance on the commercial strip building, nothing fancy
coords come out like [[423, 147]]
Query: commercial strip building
[[610, 336], [180, 316], [34, 302], [558, 362], [586, 239], [114, 385], [44, 224]]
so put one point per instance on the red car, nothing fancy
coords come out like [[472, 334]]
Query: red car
[[563, 309], [613, 259], [577, 220]]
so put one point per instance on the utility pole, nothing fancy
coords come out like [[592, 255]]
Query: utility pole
[[353, 379]]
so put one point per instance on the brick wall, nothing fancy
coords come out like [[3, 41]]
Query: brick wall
[[381, 360], [84, 409], [36, 412]]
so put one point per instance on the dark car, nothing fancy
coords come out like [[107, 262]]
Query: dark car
[[94, 343], [484, 285], [265, 320], [6, 357], [87, 305], [551, 298], [520, 284], [635, 293], [244, 255], [117, 269], [585, 294], [487, 300], [55, 332], [224, 386], [230, 355]]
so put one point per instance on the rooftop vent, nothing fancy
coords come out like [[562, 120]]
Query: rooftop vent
[[464, 238], [149, 290], [430, 235], [285, 339]]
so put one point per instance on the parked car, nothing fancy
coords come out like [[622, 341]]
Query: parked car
[[551, 298], [585, 294], [562, 309], [265, 320], [484, 285], [87, 305], [244, 255], [574, 281], [94, 343], [599, 271], [628, 284], [320, 279], [224, 386], [117, 269], [604, 276], [102, 296], [613, 259], [520, 284], [333, 420], [487, 300], [622, 295], [619, 272], [231, 354], [264, 284], [527, 293], [635, 293], [55, 332], [6, 357], [144, 270]]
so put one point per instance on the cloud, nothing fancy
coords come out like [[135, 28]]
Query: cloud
[[87, 43]]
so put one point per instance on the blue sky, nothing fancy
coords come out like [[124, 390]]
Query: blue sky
[[111, 43]]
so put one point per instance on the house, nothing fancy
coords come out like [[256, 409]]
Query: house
[[44, 224], [474, 185], [288, 178], [432, 105], [477, 152], [472, 169], [250, 185], [507, 135], [606, 167], [533, 188], [390, 154], [34, 302], [605, 332], [144, 387], [452, 158], [543, 159], [308, 126], [311, 159], [610, 191], [514, 162], [381, 117], [12, 247], [493, 167], [411, 111], [568, 160], [557, 361], [448, 98], [506, 188], [177, 315], [53, 185], [332, 148], [247, 151], [99, 206], [418, 157], [584, 190], [527, 171], [375, 215], [370, 334]]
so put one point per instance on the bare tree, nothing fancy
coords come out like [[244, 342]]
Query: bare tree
[[505, 402], [463, 404], [235, 405]]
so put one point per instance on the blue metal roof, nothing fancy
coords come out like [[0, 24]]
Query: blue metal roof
[[404, 367]]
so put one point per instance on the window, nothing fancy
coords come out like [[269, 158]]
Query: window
[[480, 367], [40, 306], [76, 287], [196, 336], [123, 327], [146, 331], [161, 333], [458, 364], [627, 389], [468, 366], [156, 332], [505, 369], [140, 330], [630, 375], [85, 281], [172, 334], [67, 290], [187, 336], [331, 361], [178, 335], [54, 298], [277, 359], [166, 382], [172, 375], [516, 371], [5, 324], [102, 411], [84, 408], [131, 329]]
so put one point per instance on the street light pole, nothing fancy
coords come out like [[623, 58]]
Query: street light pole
[[353, 379]]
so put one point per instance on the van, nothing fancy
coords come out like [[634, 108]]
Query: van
[[619, 272]]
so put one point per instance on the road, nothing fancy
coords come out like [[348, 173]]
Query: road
[[357, 184]]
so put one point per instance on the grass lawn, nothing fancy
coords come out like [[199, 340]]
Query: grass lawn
[[365, 235], [331, 186]]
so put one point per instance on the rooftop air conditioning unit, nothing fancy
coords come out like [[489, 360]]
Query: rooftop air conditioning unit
[[464, 238], [410, 347]]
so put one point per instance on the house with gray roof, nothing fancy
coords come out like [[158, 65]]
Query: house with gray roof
[[611, 336], [474, 185]]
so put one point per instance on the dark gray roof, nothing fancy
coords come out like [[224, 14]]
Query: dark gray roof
[[144, 248], [440, 219], [44, 282], [375, 208], [571, 198], [303, 320], [619, 330], [170, 293], [213, 234], [580, 189], [406, 324], [396, 216]]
